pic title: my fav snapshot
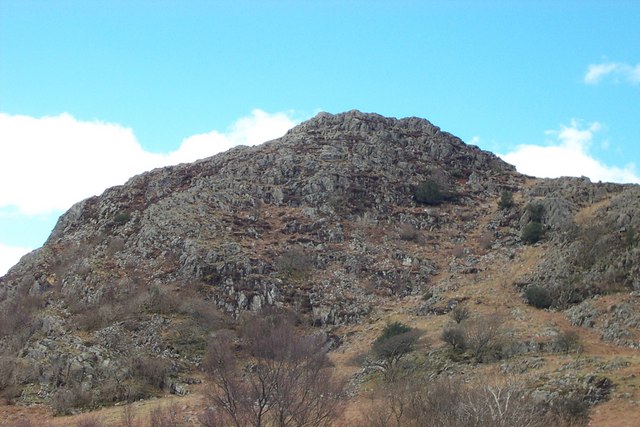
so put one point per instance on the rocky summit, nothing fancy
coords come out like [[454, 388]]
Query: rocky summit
[[349, 221]]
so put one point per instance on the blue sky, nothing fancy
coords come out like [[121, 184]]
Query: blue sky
[[92, 92]]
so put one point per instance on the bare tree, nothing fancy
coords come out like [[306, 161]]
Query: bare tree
[[449, 402], [286, 381], [244, 402]]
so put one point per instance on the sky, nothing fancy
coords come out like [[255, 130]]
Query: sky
[[93, 92]]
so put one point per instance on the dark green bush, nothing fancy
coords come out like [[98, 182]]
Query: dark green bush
[[532, 233], [506, 199], [393, 329], [429, 193], [396, 341], [121, 218], [538, 297], [536, 212], [294, 264], [567, 342]]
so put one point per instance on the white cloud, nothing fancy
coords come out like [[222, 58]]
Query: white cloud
[[255, 129], [618, 71], [49, 163], [568, 155], [9, 256]]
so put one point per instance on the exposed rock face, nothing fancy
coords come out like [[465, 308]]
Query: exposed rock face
[[224, 221], [322, 220]]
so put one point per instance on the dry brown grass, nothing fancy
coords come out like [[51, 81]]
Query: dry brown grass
[[488, 292]]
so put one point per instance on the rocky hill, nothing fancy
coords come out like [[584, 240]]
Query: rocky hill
[[348, 220]]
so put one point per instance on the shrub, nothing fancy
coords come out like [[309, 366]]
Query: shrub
[[567, 342], [536, 212], [294, 264], [396, 341], [129, 418], [393, 329], [287, 380], [121, 218], [485, 336], [66, 399], [452, 403], [486, 240], [429, 193], [163, 301], [538, 297], [150, 370], [89, 421], [408, 232], [506, 200], [459, 313], [482, 338], [455, 337], [570, 411], [630, 238], [164, 416], [532, 232], [7, 366]]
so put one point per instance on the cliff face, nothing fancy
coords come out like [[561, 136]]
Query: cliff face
[[323, 220]]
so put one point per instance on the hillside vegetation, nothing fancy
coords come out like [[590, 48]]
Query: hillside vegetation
[[360, 270]]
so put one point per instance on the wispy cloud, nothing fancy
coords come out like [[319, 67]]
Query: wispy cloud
[[568, 155], [616, 71], [49, 163]]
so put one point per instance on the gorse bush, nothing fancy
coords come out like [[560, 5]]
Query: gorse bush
[[429, 193], [121, 218], [393, 329], [567, 342], [506, 200], [535, 211], [532, 232], [538, 297]]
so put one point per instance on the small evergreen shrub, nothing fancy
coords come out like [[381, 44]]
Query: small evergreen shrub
[[532, 233], [393, 329], [536, 212], [567, 342], [506, 200], [121, 218], [427, 295], [538, 297], [429, 193], [294, 264]]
